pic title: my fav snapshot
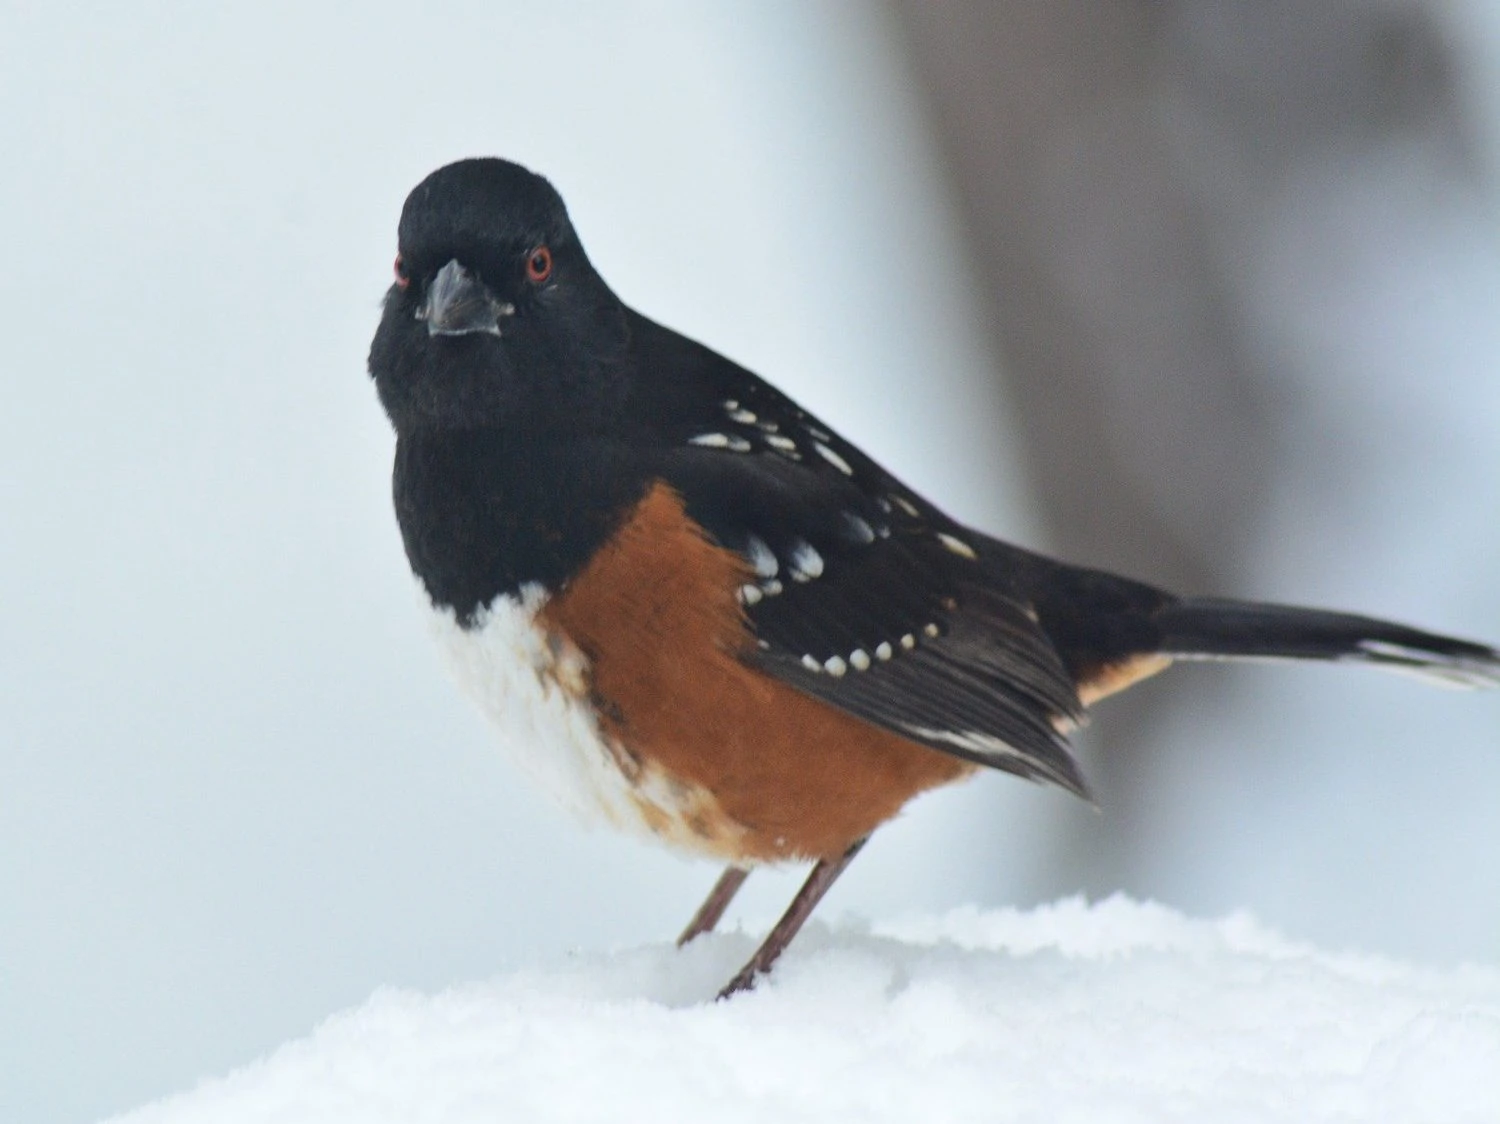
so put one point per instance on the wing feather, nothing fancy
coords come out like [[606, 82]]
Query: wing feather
[[896, 627]]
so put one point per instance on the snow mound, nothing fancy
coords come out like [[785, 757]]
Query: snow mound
[[1119, 1011]]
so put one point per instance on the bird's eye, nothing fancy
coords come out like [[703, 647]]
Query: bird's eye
[[539, 265], [403, 279]]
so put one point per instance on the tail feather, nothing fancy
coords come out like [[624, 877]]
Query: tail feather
[[1211, 628]]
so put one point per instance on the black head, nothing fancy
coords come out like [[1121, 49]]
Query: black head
[[496, 319]]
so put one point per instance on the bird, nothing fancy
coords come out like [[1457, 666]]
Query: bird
[[698, 614]]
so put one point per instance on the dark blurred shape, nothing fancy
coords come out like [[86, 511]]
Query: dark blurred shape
[[1114, 164]]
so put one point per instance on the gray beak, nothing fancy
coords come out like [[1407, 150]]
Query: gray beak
[[458, 303]]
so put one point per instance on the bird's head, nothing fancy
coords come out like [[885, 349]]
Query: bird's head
[[495, 317]]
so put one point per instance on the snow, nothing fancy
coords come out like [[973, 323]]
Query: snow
[[1118, 1011]]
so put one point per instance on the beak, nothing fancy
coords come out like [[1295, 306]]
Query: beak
[[458, 303]]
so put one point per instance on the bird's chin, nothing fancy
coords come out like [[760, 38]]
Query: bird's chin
[[465, 330]]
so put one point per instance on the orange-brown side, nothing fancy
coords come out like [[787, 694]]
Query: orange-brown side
[[656, 614], [1104, 680]]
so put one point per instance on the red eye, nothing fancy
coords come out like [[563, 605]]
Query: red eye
[[539, 265], [403, 279]]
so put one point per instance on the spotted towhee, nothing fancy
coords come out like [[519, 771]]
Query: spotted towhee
[[696, 611]]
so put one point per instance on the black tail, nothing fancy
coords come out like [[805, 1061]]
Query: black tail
[[1208, 628]]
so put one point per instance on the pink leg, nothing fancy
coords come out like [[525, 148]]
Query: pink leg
[[818, 882], [715, 904]]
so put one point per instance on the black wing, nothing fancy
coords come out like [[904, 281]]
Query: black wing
[[864, 595]]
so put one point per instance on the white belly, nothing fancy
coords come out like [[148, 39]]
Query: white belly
[[533, 686]]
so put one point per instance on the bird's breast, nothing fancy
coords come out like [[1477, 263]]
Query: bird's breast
[[626, 693], [535, 687]]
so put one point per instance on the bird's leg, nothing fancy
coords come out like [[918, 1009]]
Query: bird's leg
[[818, 882], [715, 904]]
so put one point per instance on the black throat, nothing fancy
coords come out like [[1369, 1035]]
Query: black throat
[[484, 514]]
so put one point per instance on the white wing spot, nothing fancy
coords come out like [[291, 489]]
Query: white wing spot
[[884, 504], [906, 506], [771, 587], [859, 659], [931, 630], [987, 744], [750, 595], [761, 556], [835, 666], [958, 546], [731, 404], [783, 444], [820, 434], [806, 563], [883, 651], [833, 458], [859, 530], [768, 426], [720, 441], [811, 664], [744, 417], [908, 641]]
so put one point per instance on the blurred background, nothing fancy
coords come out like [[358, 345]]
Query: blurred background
[[1205, 292]]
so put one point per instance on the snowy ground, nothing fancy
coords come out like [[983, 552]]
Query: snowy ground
[[1119, 1011]]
